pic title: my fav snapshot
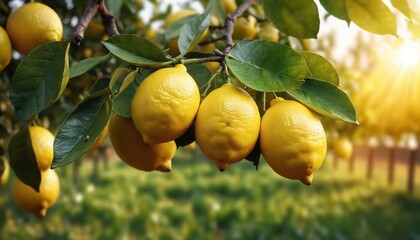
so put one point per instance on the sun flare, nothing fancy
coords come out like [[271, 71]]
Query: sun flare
[[407, 55]]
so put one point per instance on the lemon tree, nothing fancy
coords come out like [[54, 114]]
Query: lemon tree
[[128, 72]]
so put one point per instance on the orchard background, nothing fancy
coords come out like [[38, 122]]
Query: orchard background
[[370, 54]]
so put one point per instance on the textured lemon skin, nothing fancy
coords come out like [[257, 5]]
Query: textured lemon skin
[[292, 140], [5, 49], [43, 145], [37, 202], [227, 125], [32, 25], [130, 147], [165, 104]]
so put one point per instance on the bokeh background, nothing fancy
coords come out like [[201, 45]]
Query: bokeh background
[[373, 194]]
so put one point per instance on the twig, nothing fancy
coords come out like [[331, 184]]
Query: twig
[[93, 7], [227, 36], [230, 22], [90, 11], [108, 20]]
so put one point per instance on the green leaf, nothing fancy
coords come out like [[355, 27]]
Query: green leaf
[[325, 98], [297, 18], [372, 15], [81, 129], [218, 10], [402, 6], [87, 64], [114, 6], [200, 73], [174, 30], [22, 159], [118, 74], [127, 81], [267, 66], [40, 78], [320, 68], [122, 102], [337, 8], [193, 31], [99, 85], [136, 50]]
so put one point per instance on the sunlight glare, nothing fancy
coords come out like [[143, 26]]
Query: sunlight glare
[[408, 55]]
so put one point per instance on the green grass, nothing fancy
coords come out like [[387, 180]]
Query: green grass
[[196, 201]]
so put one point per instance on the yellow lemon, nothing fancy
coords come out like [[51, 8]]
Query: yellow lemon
[[227, 125], [343, 148], [5, 49], [95, 30], [37, 202], [129, 146], [43, 145], [173, 17], [212, 66], [268, 32], [165, 104], [292, 140], [229, 5], [32, 25], [245, 28], [4, 171]]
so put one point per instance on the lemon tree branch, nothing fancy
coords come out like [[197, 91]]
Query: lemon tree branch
[[108, 20], [92, 8], [230, 22]]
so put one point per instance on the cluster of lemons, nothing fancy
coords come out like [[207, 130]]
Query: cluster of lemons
[[28, 27], [227, 126], [42, 143]]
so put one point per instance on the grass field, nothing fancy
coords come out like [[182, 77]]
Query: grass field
[[196, 201]]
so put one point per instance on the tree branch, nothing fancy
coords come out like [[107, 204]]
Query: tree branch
[[108, 20], [230, 22], [90, 11]]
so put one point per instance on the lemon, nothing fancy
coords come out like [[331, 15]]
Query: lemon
[[6, 49], [32, 25], [245, 28], [227, 125], [343, 148], [292, 140], [165, 104], [95, 30], [212, 66], [151, 35], [37, 202], [129, 146], [4, 171], [229, 5], [43, 146], [173, 17], [268, 32]]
